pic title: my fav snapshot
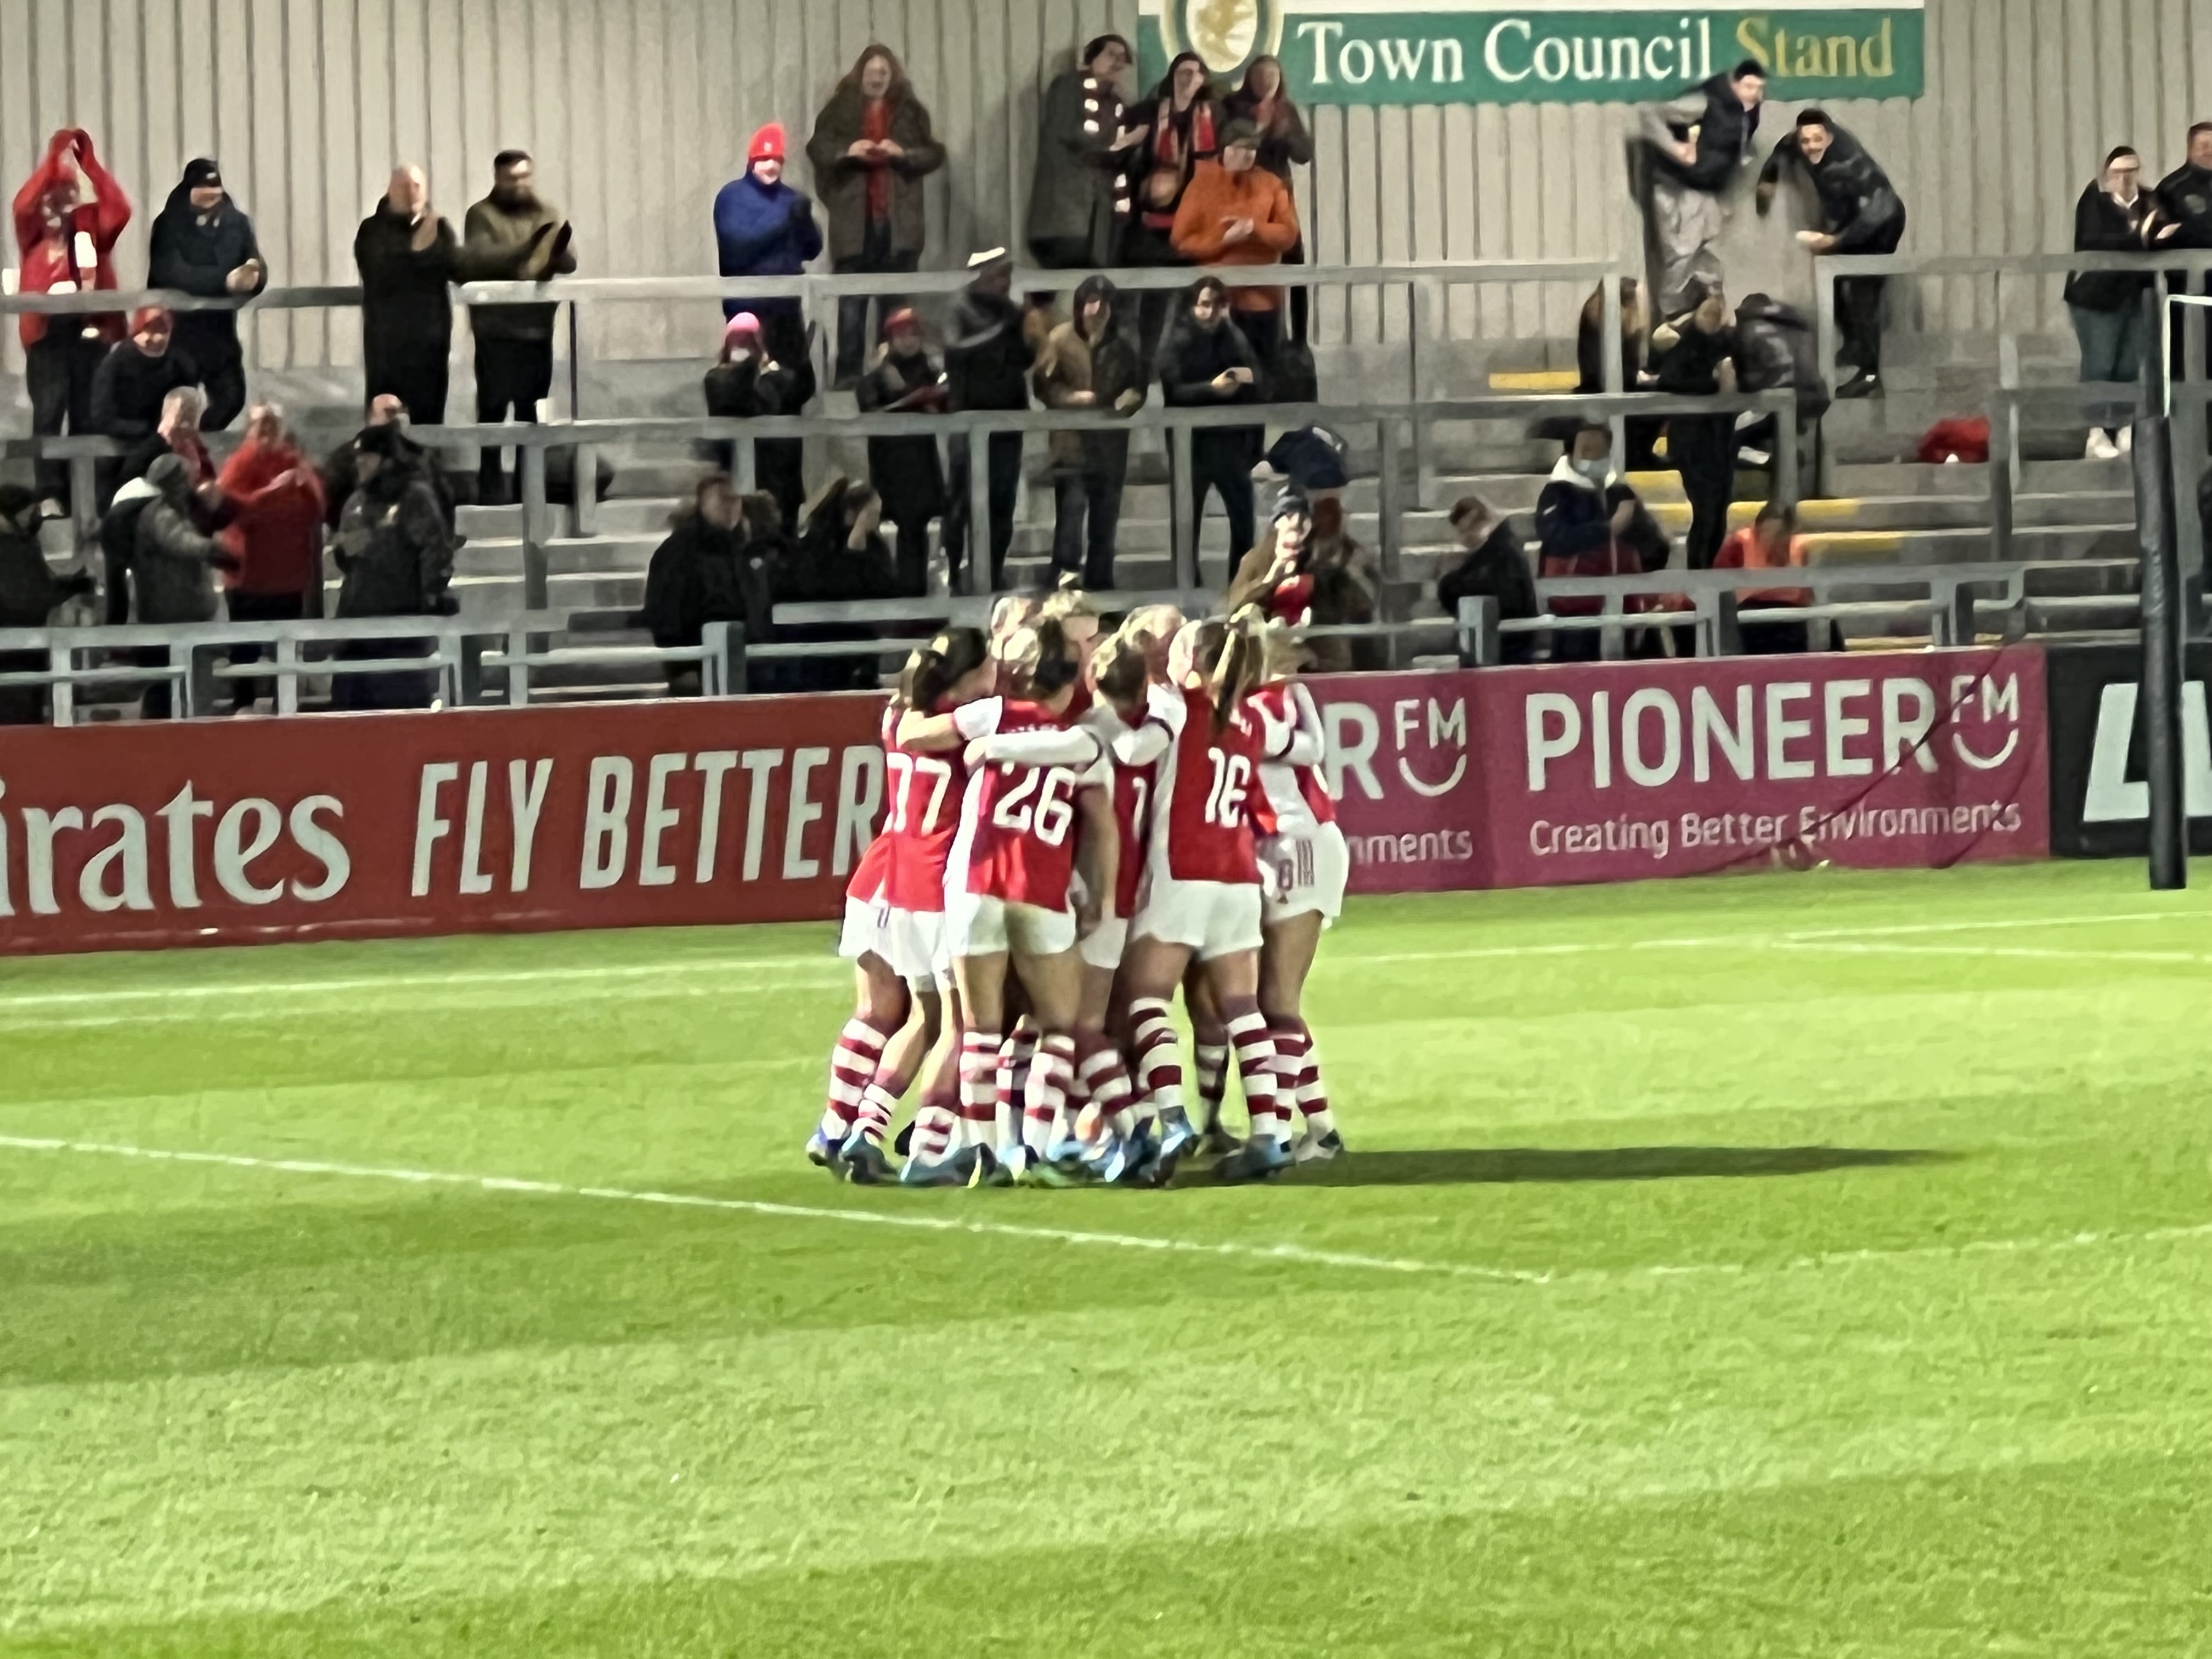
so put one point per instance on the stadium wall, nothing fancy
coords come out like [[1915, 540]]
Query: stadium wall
[[638, 110], [157, 833]]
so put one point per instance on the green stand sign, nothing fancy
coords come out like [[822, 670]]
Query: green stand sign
[[1427, 52]]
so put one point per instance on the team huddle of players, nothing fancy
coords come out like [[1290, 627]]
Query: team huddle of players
[[1075, 827]]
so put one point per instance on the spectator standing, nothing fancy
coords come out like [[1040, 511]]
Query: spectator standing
[[174, 564], [1496, 567], [1695, 357], [2184, 212], [179, 434], [407, 255], [1770, 542], [132, 385], [1236, 213], [1205, 362], [1862, 214], [203, 245], [30, 593], [395, 552], [276, 535], [67, 246], [1088, 364], [986, 366], [1182, 125], [2114, 215], [764, 227], [1284, 143], [703, 572], [512, 236], [1079, 196], [905, 472], [1689, 153], [872, 149], [1586, 526], [746, 383]]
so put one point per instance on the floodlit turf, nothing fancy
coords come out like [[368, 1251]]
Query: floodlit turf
[[1810, 1264]]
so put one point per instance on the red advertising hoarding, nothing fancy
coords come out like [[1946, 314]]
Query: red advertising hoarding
[[1624, 771], [476, 821], [755, 810]]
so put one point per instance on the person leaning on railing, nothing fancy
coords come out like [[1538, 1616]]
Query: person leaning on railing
[[512, 236], [1863, 214], [203, 245]]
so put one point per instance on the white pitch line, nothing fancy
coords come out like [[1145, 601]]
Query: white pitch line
[[1293, 1254], [1904, 929], [2024, 952]]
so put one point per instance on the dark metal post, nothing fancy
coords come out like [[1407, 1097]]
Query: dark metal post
[[2159, 705]]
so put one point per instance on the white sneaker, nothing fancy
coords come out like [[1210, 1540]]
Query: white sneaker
[[2124, 439], [2099, 447]]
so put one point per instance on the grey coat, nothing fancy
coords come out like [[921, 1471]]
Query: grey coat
[[841, 182], [1079, 192], [173, 568]]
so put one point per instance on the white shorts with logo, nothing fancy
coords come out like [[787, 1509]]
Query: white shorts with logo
[[1312, 867], [917, 948], [1211, 918], [977, 925], [867, 931]]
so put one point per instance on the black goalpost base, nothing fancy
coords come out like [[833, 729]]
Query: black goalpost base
[[2162, 622]]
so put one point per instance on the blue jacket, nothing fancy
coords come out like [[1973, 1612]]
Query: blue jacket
[[763, 230]]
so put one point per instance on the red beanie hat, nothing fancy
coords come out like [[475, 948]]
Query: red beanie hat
[[767, 144], [145, 314]]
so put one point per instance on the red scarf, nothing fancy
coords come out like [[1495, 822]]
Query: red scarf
[[876, 127], [1170, 154]]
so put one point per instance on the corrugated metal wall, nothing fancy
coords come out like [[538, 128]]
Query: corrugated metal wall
[[639, 109]]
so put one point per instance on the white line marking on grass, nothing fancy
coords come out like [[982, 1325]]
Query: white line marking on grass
[[2023, 952], [1904, 929], [1295, 1255]]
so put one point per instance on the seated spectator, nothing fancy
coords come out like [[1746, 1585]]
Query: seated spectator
[[1586, 525], [1770, 543], [275, 534], [841, 557], [1089, 364], [396, 554], [1238, 213], [202, 244], [174, 564], [1205, 362], [1496, 567], [30, 593], [2114, 215], [703, 572], [746, 382], [906, 472]]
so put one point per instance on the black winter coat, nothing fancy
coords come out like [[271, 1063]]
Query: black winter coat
[[406, 315], [195, 252], [394, 549], [1863, 211], [1498, 568], [129, 387], [2102, 225], [1724, 136], [741, 390], [905, 471], [987, 359], [1775, 348], [1691, 367], [29, 590], [703, 574], [1191, 357], [2184, 198]]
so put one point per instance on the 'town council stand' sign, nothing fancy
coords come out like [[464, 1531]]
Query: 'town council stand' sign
[[1431, 52]]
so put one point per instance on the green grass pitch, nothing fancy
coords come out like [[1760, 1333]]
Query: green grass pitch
[[1812, 1264]]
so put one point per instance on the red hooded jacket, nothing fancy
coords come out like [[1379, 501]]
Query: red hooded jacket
[[278, 534], [50, 258]]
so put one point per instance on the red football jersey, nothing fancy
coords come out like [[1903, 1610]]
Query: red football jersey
[[1134, 787], [1019, 823], [924, 791], [1209, 794], [1292, 748]]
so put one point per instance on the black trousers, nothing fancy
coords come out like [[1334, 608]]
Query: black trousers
[[1004, 460], [223, 377], [875, 259], [258, 607], [58, 371], [910, 550], [1086, 521], [1301, 298], [419, 380], [1222, 459], [1703, 449], [1858, 320], [511, 374]]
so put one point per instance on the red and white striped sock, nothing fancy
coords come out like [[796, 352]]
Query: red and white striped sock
[[1016, 1052], [1046, 1095], [1158, 1056], [1312, 1093], [936, 1124], [852, 1064], [1210, 1062], [1100, 1073], [880, 1100], [979, 1095], [1256, 1066]]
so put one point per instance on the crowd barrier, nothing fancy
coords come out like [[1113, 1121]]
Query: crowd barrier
[[720, 811]]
